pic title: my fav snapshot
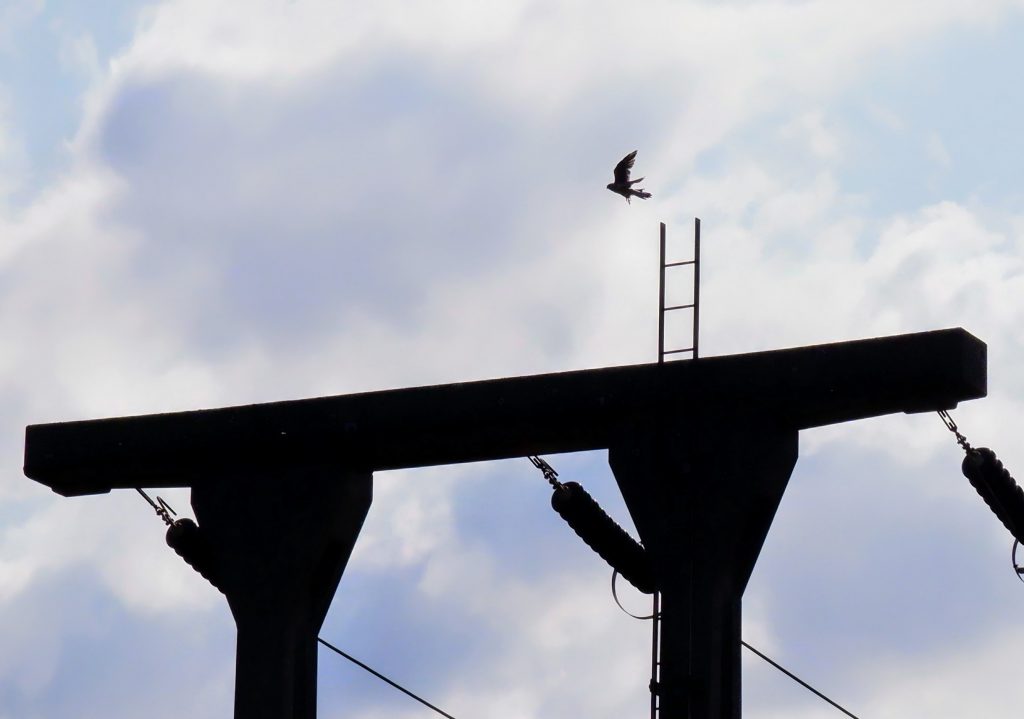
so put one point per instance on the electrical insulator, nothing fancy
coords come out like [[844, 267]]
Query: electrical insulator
[[999, 490], [603, 535], [186, 539]]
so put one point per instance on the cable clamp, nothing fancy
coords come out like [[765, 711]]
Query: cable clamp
[[951, 426], [162, 508], [549, 472]]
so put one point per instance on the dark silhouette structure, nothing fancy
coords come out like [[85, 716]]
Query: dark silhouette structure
[[702, 452]]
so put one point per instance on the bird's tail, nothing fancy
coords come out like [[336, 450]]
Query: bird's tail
[[640, 193]]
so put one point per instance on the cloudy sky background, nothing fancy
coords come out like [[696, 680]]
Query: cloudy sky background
[[205, 204]]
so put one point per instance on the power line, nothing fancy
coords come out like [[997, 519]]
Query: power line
[[797, 679], [402, 689], [588, 531], [164, 511], [380, 676]]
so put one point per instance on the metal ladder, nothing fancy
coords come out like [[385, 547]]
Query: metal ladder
[[662, 353], [695, 305]]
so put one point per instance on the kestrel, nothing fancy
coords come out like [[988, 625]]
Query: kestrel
[[623, 185]]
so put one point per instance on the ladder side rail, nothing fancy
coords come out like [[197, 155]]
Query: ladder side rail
[[655, 655], [661, 301], [696, 284]]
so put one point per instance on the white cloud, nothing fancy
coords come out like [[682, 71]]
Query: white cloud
[[79, 54], [13, 158], [885, 117], [937, 151], [967, 680], [14, 16], [822, 140], [65, 535]]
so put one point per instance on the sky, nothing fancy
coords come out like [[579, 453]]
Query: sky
[[208, 204]]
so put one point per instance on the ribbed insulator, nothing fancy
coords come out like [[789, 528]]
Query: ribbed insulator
[[185, 538], [603, 535], [999, 490]]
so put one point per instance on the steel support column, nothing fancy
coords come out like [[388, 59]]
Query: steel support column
[[702, 497], [279, 542]]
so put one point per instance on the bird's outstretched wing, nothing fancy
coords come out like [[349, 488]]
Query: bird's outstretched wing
[[623, 168]]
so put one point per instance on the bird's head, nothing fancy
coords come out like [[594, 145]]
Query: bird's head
[[610, 186]]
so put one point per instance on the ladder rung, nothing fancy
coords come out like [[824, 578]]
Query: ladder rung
[[675, 352], [680, 264], [679, 307]]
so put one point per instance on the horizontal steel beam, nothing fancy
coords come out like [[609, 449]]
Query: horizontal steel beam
[[511, 417]]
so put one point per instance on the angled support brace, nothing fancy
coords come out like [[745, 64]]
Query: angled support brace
[[702, 497], [279, 541]]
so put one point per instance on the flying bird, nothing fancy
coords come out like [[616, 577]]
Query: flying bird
[[623, 185]]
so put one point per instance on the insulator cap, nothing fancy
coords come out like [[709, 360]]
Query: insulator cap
[[604, 536], [999, 490], [187, 540]]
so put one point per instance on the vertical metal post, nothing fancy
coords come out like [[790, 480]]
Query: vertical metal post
[[655, 654], [661, 300], [696, 281]]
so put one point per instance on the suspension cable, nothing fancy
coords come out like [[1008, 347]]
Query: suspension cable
[[164, 511], [797, 679], [383, 678], [552, 476]]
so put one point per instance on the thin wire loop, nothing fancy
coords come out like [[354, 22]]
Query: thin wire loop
[[1018, 569], [615, 596]]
